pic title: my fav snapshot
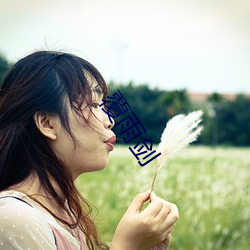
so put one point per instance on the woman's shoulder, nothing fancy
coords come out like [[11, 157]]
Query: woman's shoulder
[[21, 224], [14, 206], [13, 200], [13, 203]]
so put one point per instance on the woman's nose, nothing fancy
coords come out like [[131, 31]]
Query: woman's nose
[[109, 122]]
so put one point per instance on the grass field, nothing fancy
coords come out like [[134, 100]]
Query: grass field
[[211, 188]]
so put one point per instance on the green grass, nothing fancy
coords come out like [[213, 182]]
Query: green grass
[[211, 188]]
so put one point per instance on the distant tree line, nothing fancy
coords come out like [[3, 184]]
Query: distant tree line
[[226, 122], [4, 66]]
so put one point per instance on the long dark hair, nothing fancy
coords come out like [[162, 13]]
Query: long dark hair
[[39, 83]]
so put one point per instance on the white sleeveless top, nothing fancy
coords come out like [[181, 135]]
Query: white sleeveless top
[[26, 225]]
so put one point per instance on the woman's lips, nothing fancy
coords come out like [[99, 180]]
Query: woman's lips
[[110, 142], [110, 146]]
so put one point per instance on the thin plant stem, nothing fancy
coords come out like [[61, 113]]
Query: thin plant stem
[[153, 183]]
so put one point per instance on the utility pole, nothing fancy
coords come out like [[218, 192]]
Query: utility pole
[[119, 46], [213, 113]]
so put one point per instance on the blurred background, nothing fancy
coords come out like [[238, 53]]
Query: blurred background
[[166, 57]]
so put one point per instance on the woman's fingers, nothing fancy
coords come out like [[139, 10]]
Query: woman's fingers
[[153, 209], [173, 215], [150, 227], [158, 207], [138, 201], [153, 196]]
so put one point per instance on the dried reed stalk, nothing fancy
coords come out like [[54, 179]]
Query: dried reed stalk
[[179, 132]]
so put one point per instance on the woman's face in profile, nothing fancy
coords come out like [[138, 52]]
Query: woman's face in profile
[[90, 153]]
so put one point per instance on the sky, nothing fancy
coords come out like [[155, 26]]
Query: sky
[[200, 45]]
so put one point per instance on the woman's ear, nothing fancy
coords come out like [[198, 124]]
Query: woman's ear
[[46, 124]]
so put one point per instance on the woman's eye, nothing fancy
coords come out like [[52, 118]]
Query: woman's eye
[[95, 105]]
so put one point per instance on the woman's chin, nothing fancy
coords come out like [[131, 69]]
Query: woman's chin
[[96, 167]]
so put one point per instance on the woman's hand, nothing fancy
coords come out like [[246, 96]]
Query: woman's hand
[[147, 229], [163, 245]]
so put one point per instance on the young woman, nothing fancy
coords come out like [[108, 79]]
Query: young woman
[[52, 130]]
